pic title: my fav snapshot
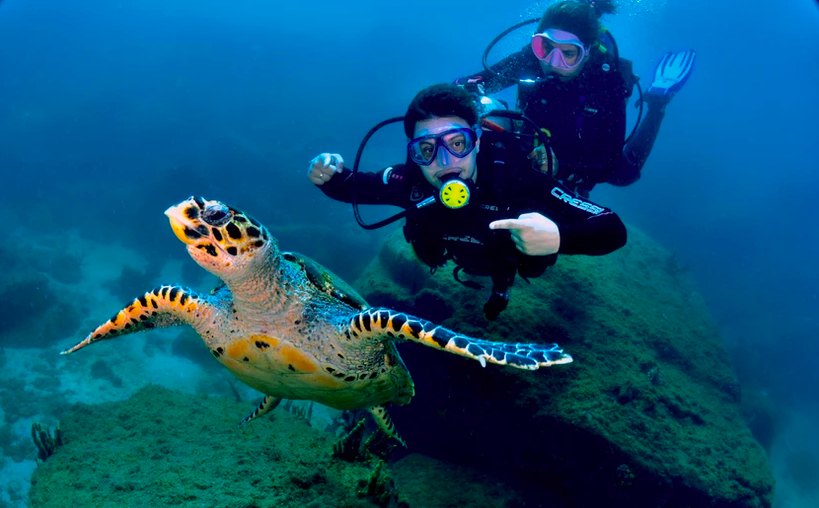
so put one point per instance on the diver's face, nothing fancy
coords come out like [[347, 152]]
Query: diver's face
[[445, 163]]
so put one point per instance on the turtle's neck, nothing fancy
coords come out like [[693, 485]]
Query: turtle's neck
[[265, 289]]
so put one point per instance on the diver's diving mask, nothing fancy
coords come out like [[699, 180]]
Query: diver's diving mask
[[545, 47], [459, 142]]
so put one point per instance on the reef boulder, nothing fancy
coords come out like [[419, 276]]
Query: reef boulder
[[648, 415], [164, 448]]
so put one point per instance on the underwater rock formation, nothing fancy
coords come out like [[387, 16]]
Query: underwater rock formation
[[760, 414], [648, 414], [163, 448]]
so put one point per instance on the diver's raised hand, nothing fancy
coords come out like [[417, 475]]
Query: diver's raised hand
[[324, 166], [533, 234], [670, 75]]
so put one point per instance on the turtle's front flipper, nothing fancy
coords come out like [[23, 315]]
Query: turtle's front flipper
[[387, 323], [162, 307]]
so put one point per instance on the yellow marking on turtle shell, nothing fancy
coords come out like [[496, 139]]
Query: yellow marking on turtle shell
[[264, 338], [300, 361], [238, 350], [327, 381]]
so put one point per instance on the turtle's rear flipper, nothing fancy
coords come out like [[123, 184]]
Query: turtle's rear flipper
[[384, 422], [387, 324], [267, 405], [162, 307]]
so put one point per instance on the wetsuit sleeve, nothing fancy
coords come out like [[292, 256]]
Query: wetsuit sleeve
[[505, 75], [585, 227], [636, 151], [379, 188]]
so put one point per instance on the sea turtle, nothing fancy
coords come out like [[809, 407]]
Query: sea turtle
[[289, 328]]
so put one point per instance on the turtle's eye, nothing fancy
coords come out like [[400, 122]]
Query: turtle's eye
[[216, 215]]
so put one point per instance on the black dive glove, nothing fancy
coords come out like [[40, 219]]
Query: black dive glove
[[495, 305]]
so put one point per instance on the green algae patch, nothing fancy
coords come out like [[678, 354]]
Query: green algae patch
[[648, 414], [430, 483], [162, 448]]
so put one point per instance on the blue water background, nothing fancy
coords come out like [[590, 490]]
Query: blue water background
[[110, 111]]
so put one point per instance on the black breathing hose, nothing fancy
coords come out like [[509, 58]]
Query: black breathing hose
[[389, 220]]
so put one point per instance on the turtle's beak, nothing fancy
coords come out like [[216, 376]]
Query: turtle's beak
[[180, 217]]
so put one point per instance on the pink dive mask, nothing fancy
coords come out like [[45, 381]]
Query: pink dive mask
[[544, 46]]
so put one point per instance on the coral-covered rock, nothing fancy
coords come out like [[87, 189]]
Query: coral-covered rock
[[647, 415], [163, 448]]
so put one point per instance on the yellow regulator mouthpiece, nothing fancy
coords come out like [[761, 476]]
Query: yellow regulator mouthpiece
[[454, 193]]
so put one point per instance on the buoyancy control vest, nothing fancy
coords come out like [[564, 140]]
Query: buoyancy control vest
[[507, 186], [584, 117]]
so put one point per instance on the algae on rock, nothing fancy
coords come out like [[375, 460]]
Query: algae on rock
[[163, 448], [651, 387]]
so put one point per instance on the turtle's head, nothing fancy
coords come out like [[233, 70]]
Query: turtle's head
[[221, 239]]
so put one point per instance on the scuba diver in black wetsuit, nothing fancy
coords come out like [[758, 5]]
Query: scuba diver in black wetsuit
[[469, 191], [572, 83]]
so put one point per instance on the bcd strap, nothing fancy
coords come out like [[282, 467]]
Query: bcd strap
[[471, 284]]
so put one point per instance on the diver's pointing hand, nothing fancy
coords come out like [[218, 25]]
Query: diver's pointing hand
[[533, 234], [324, 166]]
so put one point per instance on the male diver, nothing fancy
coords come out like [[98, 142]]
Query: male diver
[[474, 197]]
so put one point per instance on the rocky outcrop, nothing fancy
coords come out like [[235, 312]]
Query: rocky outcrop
[[164, 448], [648, 414]]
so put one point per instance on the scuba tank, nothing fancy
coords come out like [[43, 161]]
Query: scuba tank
[[489, 105]]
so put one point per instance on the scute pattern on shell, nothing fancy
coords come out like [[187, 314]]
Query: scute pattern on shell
[[326, 281]]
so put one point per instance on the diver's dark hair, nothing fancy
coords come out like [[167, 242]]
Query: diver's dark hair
[[578, 17], [440, 100]]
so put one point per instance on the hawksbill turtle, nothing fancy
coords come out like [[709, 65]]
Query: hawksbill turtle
[[291, 329]]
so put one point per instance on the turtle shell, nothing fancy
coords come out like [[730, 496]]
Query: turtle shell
[[327, 282]]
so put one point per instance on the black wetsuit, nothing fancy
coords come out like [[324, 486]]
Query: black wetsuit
[[507, 186], [585, 116]]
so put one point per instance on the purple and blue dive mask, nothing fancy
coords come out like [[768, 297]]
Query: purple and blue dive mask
[[459, 142]]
